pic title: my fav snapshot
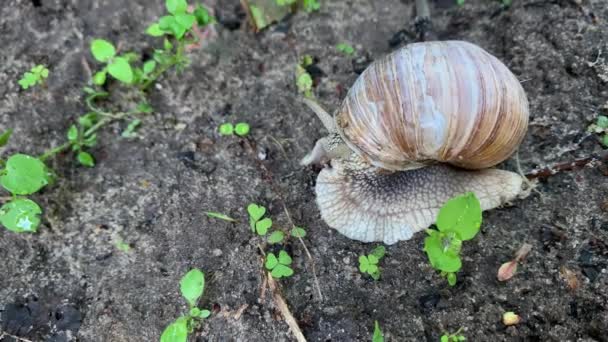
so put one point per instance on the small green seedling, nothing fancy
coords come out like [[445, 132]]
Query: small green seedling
[[220, 216], [601, 127], [345, 48], [378, 336], [455, 337], [304, 81], [129, 132], [257, 222], [192, 287], [459, 220], [311, 5], [122, 246], [117, 66], [279, 267], [37, 75], [241, 129], [369, 263]]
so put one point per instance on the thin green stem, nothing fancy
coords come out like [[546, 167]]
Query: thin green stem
[[53, 151]]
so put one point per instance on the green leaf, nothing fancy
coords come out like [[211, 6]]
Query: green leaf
[[202, 16], [24, 175], [123, 246], [5, 136], [102, 50], [194, 312], [86, 159], [281, 271], [378, 336], [90, 141], [372, 269], [220, 216], [21, 215], [129, 132], [154, 30], [298, 232], [262, 226], [73, 133], [176, 6], [375, 275], [451, 278], [363, 264], [192, 286], [226, 129], [88, 120], [605, 140], [149, 66], [204, 314], [185, 20], [256, 212], [271, 261], [373, 260], [304, 83], [345, 48], [145, 108], [445, 338], [461, 214], [121, 70], [602, 121], [379, 252], [100, 77], [241, 129], [284, 258], [440, 258], [167, 45], [258, 17], [276, 237], [176, 331]]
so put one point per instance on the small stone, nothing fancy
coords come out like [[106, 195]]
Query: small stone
[[217, 252], [510, 318]]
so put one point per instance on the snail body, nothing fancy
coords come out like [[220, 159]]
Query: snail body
[[419, 126]]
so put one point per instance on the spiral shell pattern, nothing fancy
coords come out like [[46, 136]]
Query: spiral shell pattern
[[447, 101]]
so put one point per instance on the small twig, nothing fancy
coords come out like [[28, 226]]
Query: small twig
[[282, 305], [5, 334], [568, 166], [277, 190]]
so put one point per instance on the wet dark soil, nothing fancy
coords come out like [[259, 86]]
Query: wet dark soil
[[70, 282]]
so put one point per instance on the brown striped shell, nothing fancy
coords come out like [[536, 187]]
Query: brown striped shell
[[447, 101]]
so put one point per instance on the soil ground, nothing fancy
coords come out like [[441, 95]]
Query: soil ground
[[70, 282]]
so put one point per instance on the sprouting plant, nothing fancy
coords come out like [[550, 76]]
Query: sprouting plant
[[304, 81], [192, 286], [601, 127], [257, 222], [369, 263], [122, 246], [311, 5], [279, 267], [241, 129], [378, 336], [454, 337], [37, 75], [459, 220], [23, 175], [345, 48]]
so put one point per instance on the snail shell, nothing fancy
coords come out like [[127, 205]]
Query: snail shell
[[450, 102]]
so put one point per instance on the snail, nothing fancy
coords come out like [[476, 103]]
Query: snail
[[422, 125]]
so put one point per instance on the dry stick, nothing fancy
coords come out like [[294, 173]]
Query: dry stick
[[289, 319], [277, 190], [568, 166], [21, 339]]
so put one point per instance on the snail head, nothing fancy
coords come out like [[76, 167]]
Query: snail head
[[327, 148]]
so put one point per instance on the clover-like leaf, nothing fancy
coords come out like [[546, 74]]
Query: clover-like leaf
[[226, 129], [102, 50], [24, 175], [262, 226], [373, 260], [256, 212], [241, 129], [192, 286], [298, 232], [20, 215], [281, 271], [176, 6], [284, 258], [276, 237], [271, 261], [363, 264], [379, 252]]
